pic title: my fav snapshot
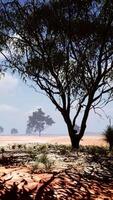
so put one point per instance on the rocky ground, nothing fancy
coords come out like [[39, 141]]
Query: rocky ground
[[55, 172]]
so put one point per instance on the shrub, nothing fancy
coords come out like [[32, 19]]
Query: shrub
[[45, 161], [108, 136]]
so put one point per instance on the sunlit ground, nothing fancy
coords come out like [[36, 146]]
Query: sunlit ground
[[87, 140]]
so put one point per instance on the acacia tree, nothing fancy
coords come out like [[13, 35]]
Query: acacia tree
[[38, 121], [66, 48]]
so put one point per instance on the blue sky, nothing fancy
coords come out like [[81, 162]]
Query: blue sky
[[19, 100]]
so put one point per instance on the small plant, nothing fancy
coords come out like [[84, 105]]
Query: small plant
[[45, 161], [108, 136], [43, 158]]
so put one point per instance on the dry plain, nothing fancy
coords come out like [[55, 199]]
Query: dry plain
[[87, 140]]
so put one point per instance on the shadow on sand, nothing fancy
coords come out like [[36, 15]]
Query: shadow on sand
[[95, 182], [65, 185]]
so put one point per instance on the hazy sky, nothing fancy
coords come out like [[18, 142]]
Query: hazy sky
[[18, 101]]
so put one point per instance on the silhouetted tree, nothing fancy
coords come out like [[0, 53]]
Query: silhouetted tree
[[38, 121], [64, 47], [108, 134], [14, 131], [1, 129]]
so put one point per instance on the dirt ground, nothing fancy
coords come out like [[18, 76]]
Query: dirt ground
[[64, 185], [87, 140], [87, 175]]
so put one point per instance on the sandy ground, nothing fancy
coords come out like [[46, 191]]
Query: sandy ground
[[63, 184], [87, 140]]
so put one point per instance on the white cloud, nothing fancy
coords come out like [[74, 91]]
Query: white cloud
[[8, 83], [8, 108]]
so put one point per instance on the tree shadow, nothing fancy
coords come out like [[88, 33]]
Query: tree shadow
[[65, 185], [100, 167], [93, 183], [14, 193]]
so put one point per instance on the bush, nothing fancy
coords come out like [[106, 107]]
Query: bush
[[45, 161], [108, 136]]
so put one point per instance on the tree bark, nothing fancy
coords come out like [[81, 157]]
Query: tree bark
[[72, 134], [74, 137], [85, 117], [75, 141]]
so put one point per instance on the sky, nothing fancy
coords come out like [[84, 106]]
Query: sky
[[18, 101]]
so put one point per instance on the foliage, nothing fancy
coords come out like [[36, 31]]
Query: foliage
[[14, 131], [38, 122], [65, 48], [108, 136]]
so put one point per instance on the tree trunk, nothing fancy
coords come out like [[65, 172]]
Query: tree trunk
[[75, 141], [73, 136], [85, 117]]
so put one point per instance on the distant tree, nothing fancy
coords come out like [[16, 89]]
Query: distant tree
[[38, 121], [1, 129], [108, 134], [14, 131]]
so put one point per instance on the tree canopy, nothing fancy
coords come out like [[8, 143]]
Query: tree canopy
[[38, 121], [64, 47]]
